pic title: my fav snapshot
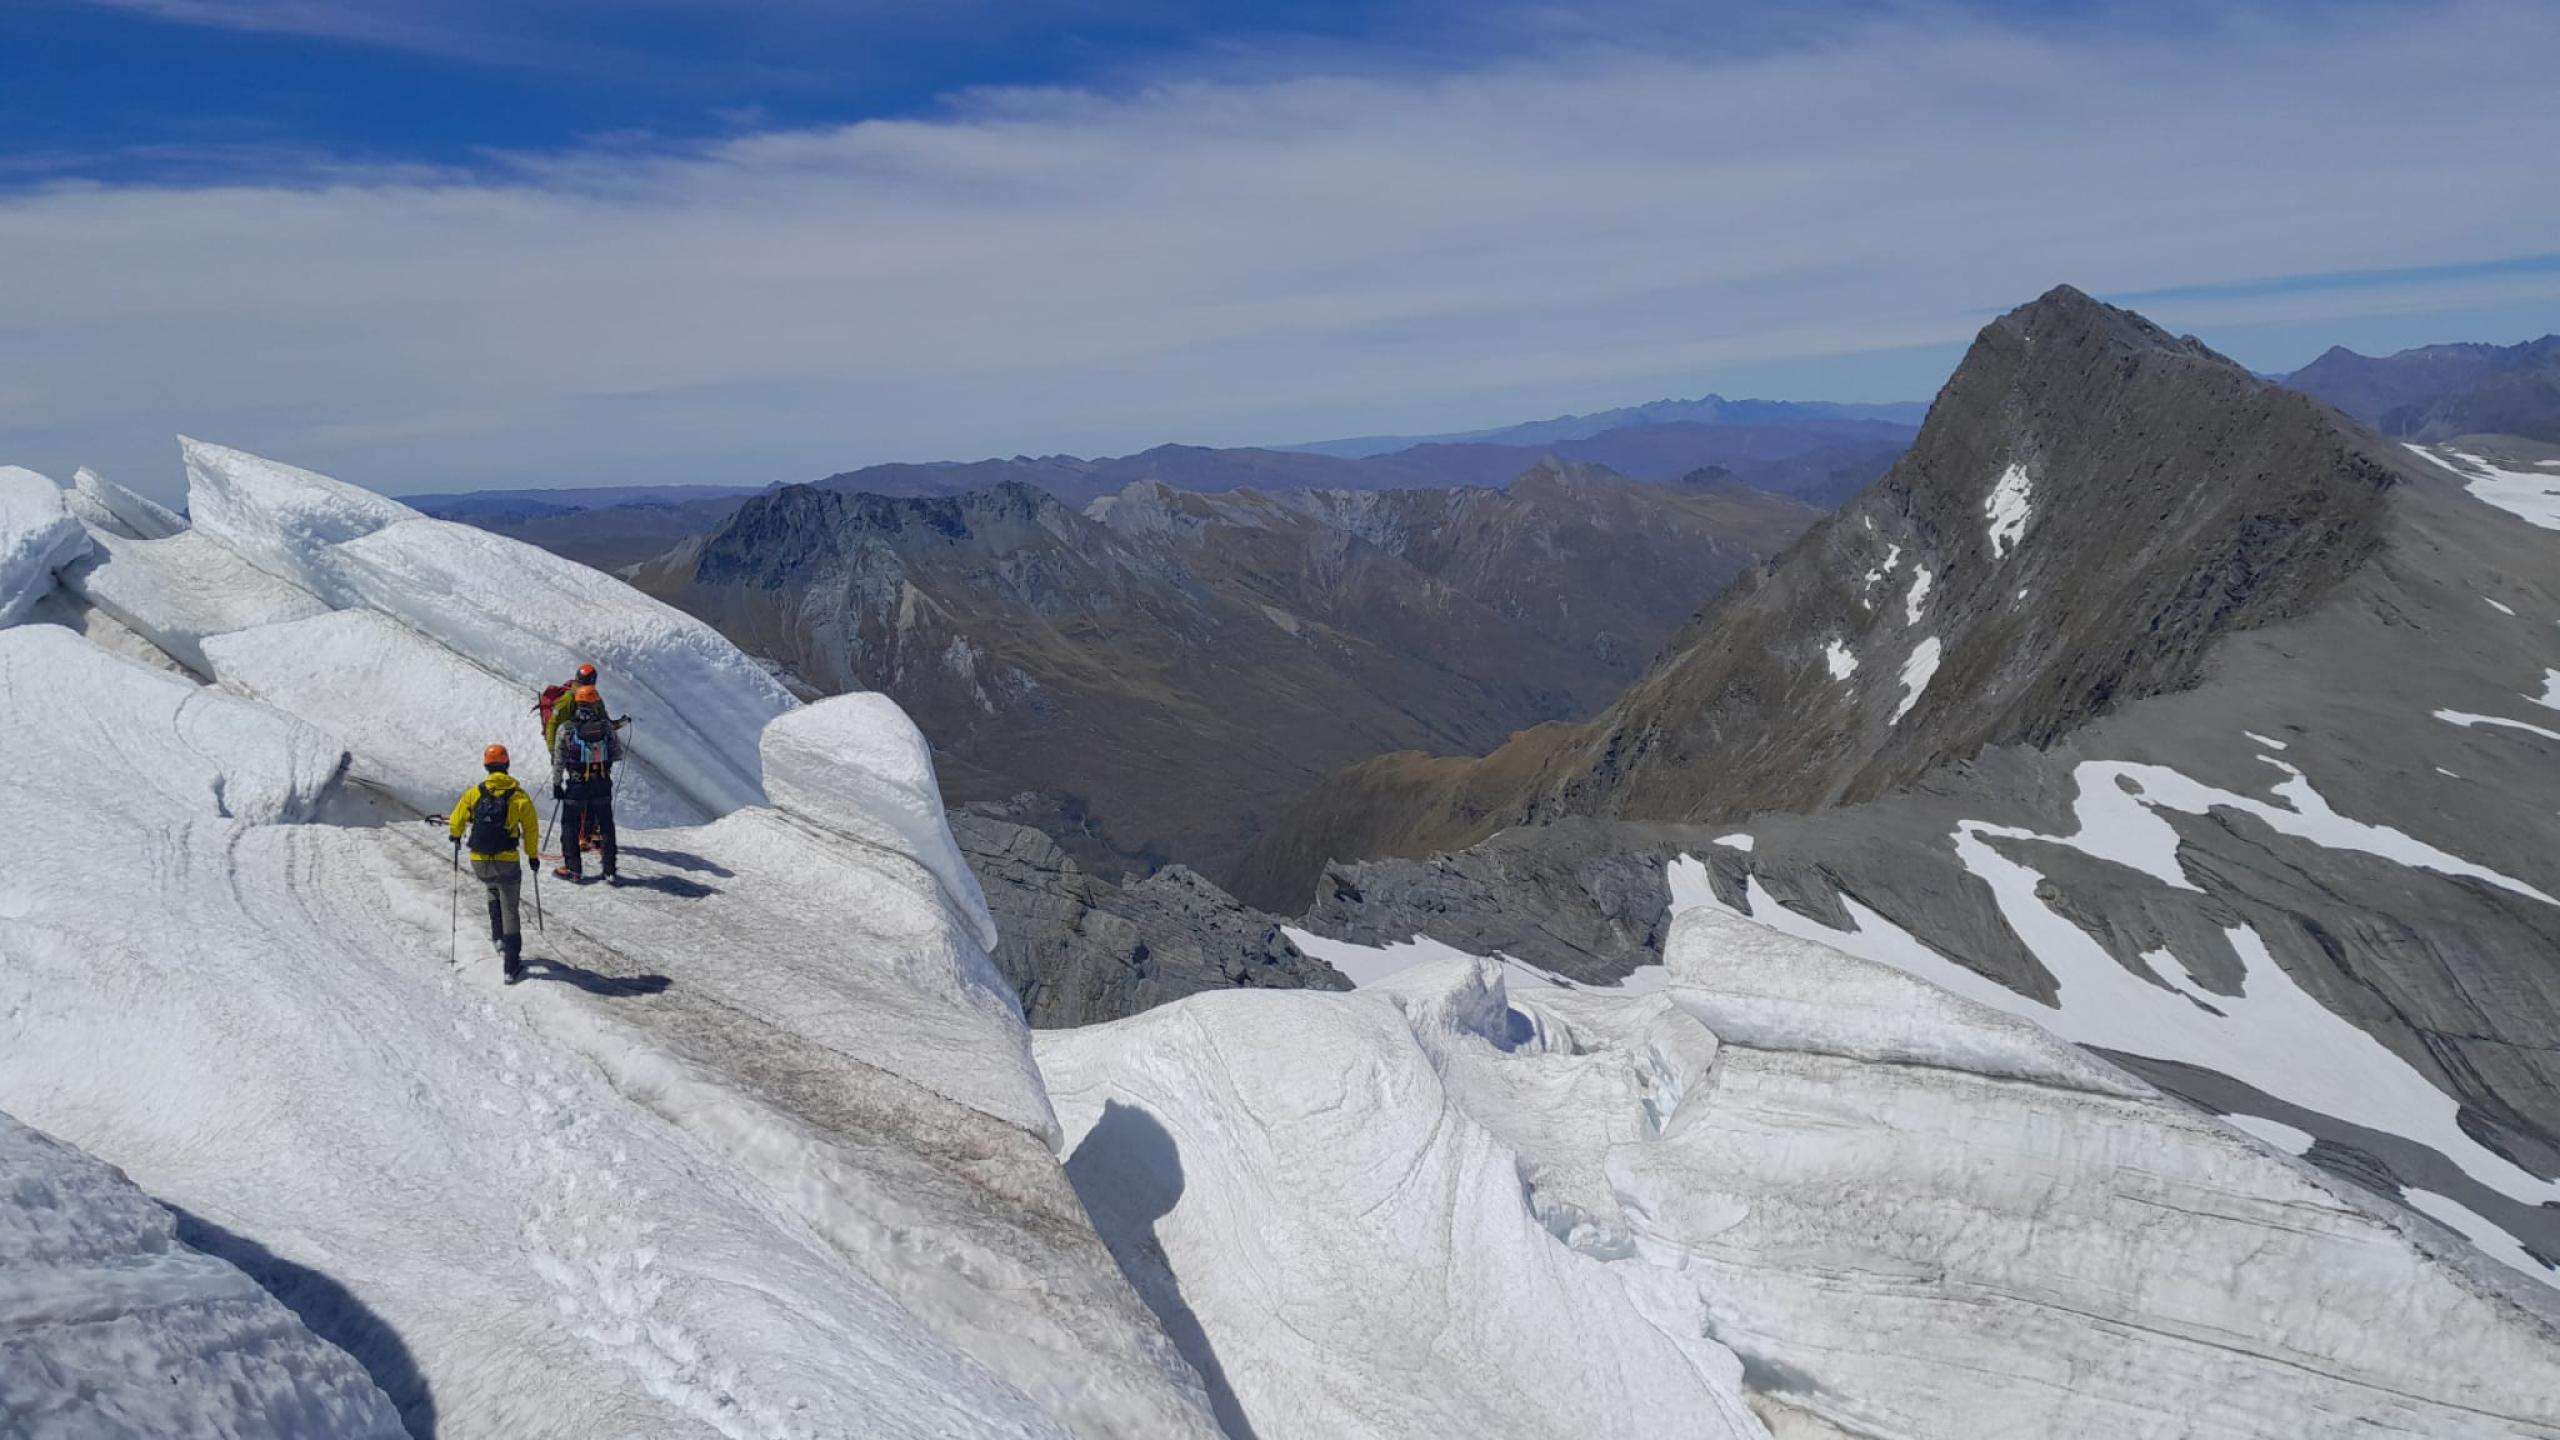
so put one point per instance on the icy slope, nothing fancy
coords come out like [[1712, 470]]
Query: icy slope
[[527, 617], [37, 537], [103, 505], [757, 1150], [405, 706], [1341, 1250], [111, 1326], [183, 590], [1900, 1213]]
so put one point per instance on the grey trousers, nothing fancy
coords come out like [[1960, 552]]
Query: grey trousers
[[505, 879]]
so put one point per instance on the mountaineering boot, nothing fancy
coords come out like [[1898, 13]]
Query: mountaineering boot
[[514, 958], [563, 872]]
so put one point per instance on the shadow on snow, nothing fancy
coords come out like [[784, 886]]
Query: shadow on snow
[[1128, 1172], [327, 1309]]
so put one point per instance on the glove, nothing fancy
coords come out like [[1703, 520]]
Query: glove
[[533, 863]]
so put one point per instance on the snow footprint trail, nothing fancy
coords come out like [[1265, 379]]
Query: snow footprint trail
[[587, 1219], [962, 1219]]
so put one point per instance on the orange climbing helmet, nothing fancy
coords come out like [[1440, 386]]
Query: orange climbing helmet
[[495, 757], [586, 674], [587, 695]]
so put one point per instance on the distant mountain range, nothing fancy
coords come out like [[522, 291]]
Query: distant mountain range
[[1707, 410], [1151, 677], [2443, 392], [1815, 452]]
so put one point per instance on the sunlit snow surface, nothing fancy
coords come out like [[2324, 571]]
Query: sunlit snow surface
[[757, 1150], [37, 537], [1843, 1196], [1916, 603], [2008, 508]]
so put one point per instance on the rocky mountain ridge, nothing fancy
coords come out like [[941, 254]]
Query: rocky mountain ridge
[[2251, 790], [1164, 669], [2444, 392], [2091, 505]]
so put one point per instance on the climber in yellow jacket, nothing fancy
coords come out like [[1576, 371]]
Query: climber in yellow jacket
[[496, 819]]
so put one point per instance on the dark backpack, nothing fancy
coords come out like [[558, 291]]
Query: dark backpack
[[589, 748], [490, 834]]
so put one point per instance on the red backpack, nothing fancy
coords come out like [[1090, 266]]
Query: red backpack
[[550, 696]]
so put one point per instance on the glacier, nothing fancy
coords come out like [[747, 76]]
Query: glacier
[[1854, 1202], [757, 1150], [762, 1148]]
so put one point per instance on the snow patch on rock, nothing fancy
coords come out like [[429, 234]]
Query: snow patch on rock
[[1915, 604], [1838, 659], [1917, 671], [2469, 721], [2518, 492], [2008, 508]]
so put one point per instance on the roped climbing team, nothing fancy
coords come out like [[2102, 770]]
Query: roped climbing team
[[496, 818]]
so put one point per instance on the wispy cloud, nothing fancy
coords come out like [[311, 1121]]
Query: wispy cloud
[[1284, 254]]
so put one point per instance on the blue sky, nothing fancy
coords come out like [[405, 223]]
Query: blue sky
[[440, 244]]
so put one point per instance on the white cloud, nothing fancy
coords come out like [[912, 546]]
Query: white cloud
[[1265, 258]]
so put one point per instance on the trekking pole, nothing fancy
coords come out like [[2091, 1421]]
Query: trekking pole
[[453, 909], [537, 894]]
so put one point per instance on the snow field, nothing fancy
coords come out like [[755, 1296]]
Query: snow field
[[1346, 1251], [2535, 498], [1887, 1232], [1895, 1210]]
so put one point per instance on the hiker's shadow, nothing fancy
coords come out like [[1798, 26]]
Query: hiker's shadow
[[675, 885], [679, 860], [1128, 1173], [612, 987]]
